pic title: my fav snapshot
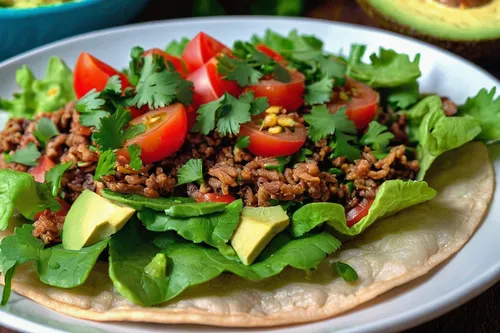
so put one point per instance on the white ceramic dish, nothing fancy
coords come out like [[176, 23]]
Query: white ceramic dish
[[475, 268]]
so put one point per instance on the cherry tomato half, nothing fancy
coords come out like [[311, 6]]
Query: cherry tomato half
[[214, 197], [263, 143], [208, 84], [289, 95], [362, 107], [357, 213], [166, 130], [200, 50], [63, 212], [177, 62], [91, 73], [44, 165], [269, 52]]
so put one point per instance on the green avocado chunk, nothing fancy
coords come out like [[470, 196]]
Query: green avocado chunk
[[258, 226], [91, 219]]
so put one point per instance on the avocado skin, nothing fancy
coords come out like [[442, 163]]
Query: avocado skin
[[472, 50]]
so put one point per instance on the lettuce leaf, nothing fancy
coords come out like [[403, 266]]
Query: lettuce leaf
[[213, 229], [55, 266], [436, 133], [392, 197], [139, 202], [485, 109], [45, 95], [132, 249], [19, 191], [388, 69]]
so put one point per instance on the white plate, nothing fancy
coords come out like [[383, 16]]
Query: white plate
[[475, 268]]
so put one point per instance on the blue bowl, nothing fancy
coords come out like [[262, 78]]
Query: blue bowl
[[24, 29]]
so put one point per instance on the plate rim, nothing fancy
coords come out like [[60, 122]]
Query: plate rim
[[403, 320]]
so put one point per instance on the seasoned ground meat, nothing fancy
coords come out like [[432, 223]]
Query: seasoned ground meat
[[48, 227]]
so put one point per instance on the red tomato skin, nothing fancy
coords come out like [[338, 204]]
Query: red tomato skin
[[357, 213], [191, 115], [208, 84], [201, 49], [164, 139], [91, 73], [63, 212], [264, 144], [269, 52], [362, 108], [177, 62], [288, 95], [214, 197], [44, 165]]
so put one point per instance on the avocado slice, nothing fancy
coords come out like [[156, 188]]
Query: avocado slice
[[471, 29], [91, 219], [258, 226]]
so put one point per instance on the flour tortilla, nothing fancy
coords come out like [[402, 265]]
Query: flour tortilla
[[392, 252]]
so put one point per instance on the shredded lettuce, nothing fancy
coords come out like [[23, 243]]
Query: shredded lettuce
[[132, 250], [45, 95], [19, 191], [392, 197]]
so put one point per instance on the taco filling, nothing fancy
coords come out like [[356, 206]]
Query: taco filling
[[199, 160]]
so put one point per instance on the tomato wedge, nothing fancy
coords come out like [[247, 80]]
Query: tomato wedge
[[362, 107], [214, 197], [209, 85], [263, 143], [63, 212], [200, 50], [177, 62], [269, 52], [44, 165], [166, 130], [289, 95], [91, 73], [357, 213]]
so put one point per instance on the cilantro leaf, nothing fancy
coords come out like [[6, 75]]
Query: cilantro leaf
[[133, 131], [238, 70], [27, 156], [105, 164], [190, 172], [160, 86], [228, 113], [134, 68], [92, 119], [303, 153], [114, 85], [259, 105], [135, 156], [282, 161], [388, 69], [346, 272], [485, 109], [377, 136], [176, 48], [404, 96], [243, 142], [111, 133], [322, 123], [54, 175], [344, 148], [45, 130], [319, 92], [90, 102]]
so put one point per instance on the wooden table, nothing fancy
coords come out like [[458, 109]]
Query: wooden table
[[480, 315]]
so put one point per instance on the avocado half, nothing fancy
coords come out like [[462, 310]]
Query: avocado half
[[473, 32]]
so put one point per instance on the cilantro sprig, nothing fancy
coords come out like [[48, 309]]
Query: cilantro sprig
[[377, 137], [228, 113], [105, 164], [27, 156], [45, 130], [53, 177], [113, 132], [250, 66], [134, 152], [191, 172], [282, 161]]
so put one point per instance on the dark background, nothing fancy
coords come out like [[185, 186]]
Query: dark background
[[480, 315]]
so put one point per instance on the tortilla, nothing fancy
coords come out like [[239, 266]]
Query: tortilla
[[392, 252]]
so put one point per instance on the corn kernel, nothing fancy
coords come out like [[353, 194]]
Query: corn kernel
[[275, 130], [273, 110], [286, 121], [269, 121]]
